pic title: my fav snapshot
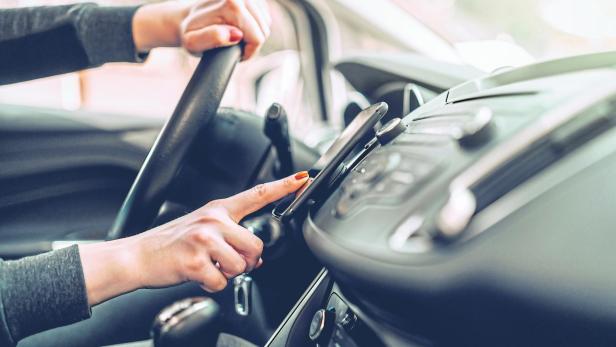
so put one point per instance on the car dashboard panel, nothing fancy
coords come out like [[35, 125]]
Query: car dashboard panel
[[488, 221]]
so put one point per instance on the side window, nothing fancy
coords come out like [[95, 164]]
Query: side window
[[152, 89]]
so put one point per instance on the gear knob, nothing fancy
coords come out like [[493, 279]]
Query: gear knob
[[189, 322], [276, 128]]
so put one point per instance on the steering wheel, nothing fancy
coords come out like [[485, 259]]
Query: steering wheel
[[195, 110]]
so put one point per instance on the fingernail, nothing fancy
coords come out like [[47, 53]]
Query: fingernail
[[301, 175], [235, 35]]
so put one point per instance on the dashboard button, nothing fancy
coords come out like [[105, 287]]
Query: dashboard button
[[476, 131], [343, 206], [371, 173], [384, 177], [403, 177], [424, 169], [322, 326], [348, 321], [372, 169]]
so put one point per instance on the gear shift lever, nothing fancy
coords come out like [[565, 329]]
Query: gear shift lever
[[276, 128], [190, 322]]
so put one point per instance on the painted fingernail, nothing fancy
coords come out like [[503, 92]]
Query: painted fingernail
[[235, 35], [301, 175]]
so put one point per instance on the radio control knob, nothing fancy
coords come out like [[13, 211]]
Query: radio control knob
[[477, 131], [349, 321], [390, 131], [322, 326]]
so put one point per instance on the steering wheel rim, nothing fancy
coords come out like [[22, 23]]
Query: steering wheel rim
[[195, 110]]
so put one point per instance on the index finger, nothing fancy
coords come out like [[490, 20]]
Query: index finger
[[254, 199]]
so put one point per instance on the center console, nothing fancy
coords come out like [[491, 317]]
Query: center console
[[324, 317]]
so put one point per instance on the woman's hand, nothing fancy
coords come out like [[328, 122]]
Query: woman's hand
[[202, 25], [206, 246]]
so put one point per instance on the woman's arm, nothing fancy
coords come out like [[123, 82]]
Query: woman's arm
[[41, 292], [206, 246], [43, 41]]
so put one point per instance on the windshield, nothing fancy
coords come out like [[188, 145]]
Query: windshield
[[490, 34], [544, 28]]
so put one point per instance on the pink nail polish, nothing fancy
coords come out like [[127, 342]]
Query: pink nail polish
[[235, 35]]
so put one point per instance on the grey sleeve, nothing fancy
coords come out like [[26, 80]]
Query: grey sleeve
[[41, 292], [48, 40]]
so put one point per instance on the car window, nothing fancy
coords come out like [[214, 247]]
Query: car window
[[152, 89]]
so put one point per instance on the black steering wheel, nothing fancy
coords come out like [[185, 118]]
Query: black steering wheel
[[195, 110]]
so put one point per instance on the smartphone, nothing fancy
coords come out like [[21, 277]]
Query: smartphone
[[329, 162]]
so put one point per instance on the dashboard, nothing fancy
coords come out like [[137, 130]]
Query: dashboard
[[488, 220]]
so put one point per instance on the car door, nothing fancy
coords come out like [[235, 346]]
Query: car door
[[64, 174]]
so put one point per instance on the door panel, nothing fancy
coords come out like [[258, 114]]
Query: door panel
[[63, 175]]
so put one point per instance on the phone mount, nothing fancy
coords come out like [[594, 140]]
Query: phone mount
[[386, 134], [331, 163]]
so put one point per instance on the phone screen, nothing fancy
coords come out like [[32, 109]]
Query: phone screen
[[350, 137]]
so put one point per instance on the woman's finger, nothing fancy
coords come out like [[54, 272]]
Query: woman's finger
[[304, 187], [236, 13], [249, 201], [210, 277], [202, 16], [213, 36], [230, 261], [244, 242]]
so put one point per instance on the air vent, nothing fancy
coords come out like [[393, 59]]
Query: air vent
[[543, 153], [531, 150]]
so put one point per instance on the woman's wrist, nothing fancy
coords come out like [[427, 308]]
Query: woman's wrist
[[158, 25], [110, 268]]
